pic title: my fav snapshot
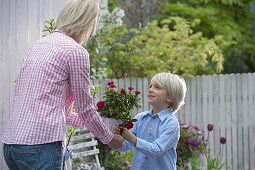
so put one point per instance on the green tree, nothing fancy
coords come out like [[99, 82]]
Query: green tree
[[232, 19], [169, 45], [112, 4]]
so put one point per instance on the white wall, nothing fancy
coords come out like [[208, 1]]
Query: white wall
[[22, 22], [21, 25]]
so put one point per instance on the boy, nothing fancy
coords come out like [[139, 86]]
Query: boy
[[156, 133]]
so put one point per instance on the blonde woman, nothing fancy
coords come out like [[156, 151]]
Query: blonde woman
[[54, 75]]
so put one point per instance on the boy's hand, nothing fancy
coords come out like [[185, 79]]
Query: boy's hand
[[126, 134]]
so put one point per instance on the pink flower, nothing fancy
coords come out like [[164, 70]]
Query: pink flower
[[100, 104], [195, 127], [127, 164], [200, 132], [184, 126]]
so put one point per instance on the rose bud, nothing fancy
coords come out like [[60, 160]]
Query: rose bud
[[137, 93], [100, 104], [129, 125]]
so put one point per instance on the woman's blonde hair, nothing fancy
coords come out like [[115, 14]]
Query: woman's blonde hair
[[175, 86], [78, 18]]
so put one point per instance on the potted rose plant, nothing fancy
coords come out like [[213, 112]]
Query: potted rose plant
[[117, 104]]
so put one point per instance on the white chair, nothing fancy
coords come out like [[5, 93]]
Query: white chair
[[83, 144]]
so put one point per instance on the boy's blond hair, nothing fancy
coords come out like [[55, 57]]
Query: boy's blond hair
[[78, 17], [175, 86]]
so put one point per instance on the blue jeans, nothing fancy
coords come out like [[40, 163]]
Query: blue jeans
[[34, 157]]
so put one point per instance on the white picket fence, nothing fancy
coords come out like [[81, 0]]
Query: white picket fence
[[227, 101], [21, 24]]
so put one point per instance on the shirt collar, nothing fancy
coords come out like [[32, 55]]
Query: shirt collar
[[162, 115], [56, 30]]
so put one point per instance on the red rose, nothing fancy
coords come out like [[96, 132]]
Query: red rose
[[129, 125], [111, 84], [130, 88], [100, 104], [123, 91], [137, 92]]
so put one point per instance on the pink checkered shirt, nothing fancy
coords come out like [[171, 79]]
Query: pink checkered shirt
[[54, 75]]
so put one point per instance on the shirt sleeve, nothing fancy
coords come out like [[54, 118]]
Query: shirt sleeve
[[167, 140], [72, 118], [126, 146], [79, 69]]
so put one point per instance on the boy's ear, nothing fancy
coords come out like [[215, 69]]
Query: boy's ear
[[169, 99]]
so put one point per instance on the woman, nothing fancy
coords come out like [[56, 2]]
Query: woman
[[53, 75]]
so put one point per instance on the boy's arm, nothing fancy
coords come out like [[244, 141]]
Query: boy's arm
[[168, 139], [126, 146], [128, 136]]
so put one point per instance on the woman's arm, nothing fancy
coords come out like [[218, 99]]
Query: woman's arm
[[72, 118]]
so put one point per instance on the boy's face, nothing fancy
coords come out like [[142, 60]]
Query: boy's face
[[157, 96]]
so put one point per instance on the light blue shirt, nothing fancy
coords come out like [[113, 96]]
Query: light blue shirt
[[157, 139]]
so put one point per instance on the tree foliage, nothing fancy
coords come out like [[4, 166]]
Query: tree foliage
[[169, 45], [232, 19]]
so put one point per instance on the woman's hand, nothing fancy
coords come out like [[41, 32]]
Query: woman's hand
[[116, 142]]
